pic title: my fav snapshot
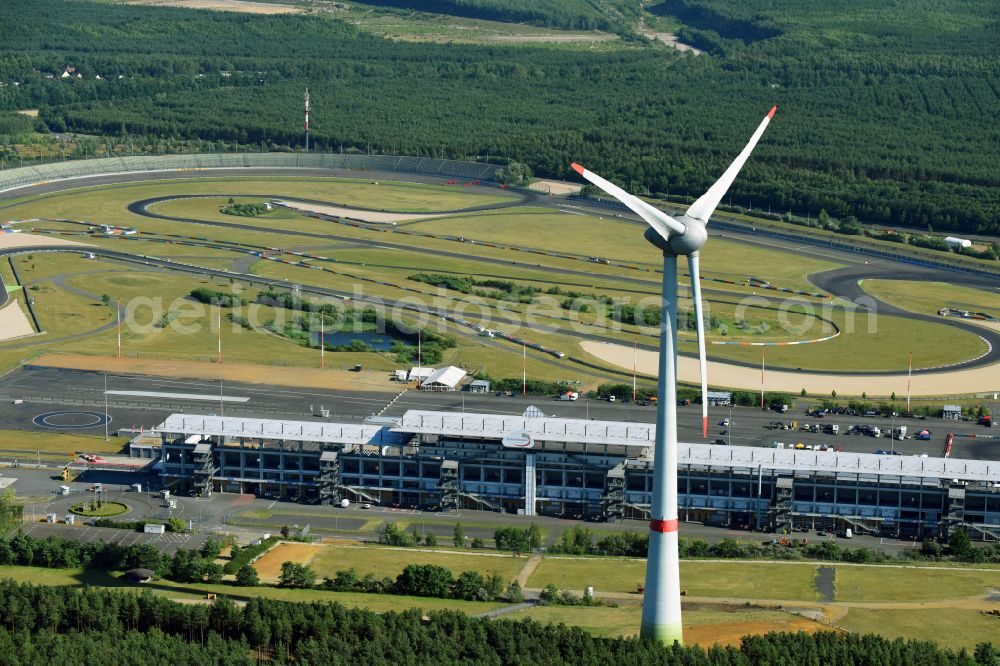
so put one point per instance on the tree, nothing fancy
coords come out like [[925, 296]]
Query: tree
[[550, 594], [515, 173], [803, 393], [430, 539], [959, 544], [284, 531], [425, 580], [296, 575], [247, 576], [515, 594], [470, 585], [833, 394], [477, 543], [213, 573], [458, 537]]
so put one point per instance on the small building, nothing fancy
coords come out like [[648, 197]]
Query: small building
[[953, 412], [954, 241], [139, 575], [399, 375], [719, 398], [479, 386], [444, 379]]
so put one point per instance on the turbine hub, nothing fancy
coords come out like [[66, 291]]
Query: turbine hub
[[691, 241]]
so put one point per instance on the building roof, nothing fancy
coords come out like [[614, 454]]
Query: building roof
[[719, 394], [793, 461], [489, 426], [952, 408], [449, 376], [480, 382], [302, 431], [420, 373]]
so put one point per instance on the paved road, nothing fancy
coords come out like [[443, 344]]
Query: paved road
[[845, 282], [48, 389]]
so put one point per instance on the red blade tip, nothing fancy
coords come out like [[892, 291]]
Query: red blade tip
[[704, 427], [770, 114], [579, 169]]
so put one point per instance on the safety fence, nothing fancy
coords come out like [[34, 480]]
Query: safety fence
[[43, 173]]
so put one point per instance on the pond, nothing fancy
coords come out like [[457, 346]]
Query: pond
[[377, 341]]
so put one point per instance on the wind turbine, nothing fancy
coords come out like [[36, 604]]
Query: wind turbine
[[661, 608]]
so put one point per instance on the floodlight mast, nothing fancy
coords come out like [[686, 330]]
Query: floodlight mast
[[661, 608]]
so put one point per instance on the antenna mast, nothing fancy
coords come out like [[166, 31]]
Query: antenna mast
[[307, 120]]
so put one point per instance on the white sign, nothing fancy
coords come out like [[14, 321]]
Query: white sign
[[519, 439]]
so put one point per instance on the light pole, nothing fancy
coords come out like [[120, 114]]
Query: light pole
[[729, 430], [106, 419]]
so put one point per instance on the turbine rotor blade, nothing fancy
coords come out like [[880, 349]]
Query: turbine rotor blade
[[662, 223], [703, 208], [695, 271]]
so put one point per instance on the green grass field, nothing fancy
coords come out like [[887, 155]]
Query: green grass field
[[390, 562], [950, 627], [873, 584], [194, 591], [749, 580], [610, 622], [58, 443], [929, 297]]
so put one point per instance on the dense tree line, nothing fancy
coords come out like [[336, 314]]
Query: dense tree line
[[43, 625], [424, 580], [571, 14], [579, 540], [183, 566], [883, 120], [222, 299]]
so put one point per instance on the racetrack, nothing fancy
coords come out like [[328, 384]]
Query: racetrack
[[842, 283]]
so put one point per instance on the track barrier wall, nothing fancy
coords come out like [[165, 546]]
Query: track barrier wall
[[32, 175]]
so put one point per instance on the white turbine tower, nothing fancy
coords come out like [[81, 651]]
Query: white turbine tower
[[661, 609]]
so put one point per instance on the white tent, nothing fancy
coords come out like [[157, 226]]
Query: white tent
[[444, 379], [420, 373]]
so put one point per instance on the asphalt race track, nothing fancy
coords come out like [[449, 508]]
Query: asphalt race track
[[841, 283]]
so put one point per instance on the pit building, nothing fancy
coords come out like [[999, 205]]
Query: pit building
[[595, 470]]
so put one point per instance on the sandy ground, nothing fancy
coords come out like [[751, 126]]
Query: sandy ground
[[355, 214], [979, 380], [13, 322], [26, 240], [268, 565], [234, 372], [556, 187], [730, 633], [32, 113], [224, 5], [555, 37], [670, 39]]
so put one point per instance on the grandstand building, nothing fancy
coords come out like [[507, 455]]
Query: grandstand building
[[599, 470]]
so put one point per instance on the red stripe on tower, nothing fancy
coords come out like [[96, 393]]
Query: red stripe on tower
[[663, 526]]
